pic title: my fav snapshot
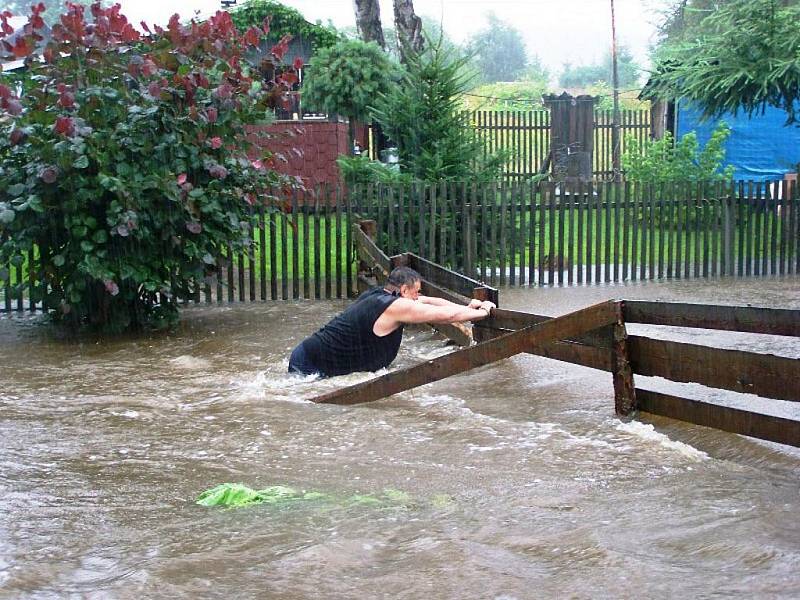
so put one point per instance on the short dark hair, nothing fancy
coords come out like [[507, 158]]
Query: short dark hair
[[403, 276]]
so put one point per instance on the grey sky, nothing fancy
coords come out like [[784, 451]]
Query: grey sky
[[558, 31]]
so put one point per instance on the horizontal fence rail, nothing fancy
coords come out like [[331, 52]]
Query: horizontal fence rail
[[553, 234], [608, 347], [766, 375]]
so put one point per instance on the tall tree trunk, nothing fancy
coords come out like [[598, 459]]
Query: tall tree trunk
[[368, 21], [409, 29]]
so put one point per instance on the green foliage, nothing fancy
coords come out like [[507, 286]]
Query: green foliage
[[742, 56], [582, 75], [586, 75], [535, 71], [361, 169], [283, 20], [515, 95], [499, 51], [664, 160], [627, 69], [682, 18], [132, 171], [346, 78], [605, 94], [422, 115]]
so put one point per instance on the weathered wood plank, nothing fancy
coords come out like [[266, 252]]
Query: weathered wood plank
[[765, 375], [369, 252], [284, 257], [622, 374], [566, 350], [306, 246], [505, 346], [512, 320], [295, 247], [431, 289], [348, 246], [229, 280], [338, 249], [749, 319], [733, 420], [442, 276]]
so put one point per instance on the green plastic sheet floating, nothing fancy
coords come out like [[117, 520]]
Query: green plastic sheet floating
[[235, 495]]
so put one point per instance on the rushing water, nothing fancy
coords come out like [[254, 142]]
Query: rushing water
[[517, 479]]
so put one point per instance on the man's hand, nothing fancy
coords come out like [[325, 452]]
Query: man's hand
[[478, 304], [487, 306]]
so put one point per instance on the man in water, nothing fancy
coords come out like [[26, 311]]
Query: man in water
[[366, 336]]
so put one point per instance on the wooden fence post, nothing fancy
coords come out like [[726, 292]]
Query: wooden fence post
[[365, 279], [481, 334], [727, 233], [484, 293], [624, 389]]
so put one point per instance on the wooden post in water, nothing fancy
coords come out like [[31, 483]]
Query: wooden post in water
[[624, 389]]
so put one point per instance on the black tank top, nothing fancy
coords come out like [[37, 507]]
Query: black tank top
[[348, 344]]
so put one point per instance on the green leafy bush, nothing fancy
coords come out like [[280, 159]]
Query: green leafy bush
[[663, 160], [514, 95], [283, 20], [346, 78], [423, 116], [130, 162], [362, 169]]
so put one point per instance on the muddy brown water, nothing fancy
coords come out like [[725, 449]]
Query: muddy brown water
[[519, 481]]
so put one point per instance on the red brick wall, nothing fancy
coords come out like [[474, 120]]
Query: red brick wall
[[308, 149]]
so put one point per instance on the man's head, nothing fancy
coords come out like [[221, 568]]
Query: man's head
[[404, 282]]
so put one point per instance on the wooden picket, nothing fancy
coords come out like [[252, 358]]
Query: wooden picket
[[524, 233]]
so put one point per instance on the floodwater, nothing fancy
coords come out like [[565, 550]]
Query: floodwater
[[514, 481]]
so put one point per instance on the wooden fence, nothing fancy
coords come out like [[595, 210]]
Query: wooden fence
[[529, 234], [304, 250], [613, 350], [505, 234], [525, 136], [633, 124]]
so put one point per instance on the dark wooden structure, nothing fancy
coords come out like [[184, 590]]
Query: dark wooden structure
[[571, 137], [597, 337]]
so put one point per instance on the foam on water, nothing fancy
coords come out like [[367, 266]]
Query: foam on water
[[510, 433], [647, 432], [422, 353], [186, 361], [277, 384]]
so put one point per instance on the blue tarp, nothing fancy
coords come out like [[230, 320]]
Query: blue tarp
[[760, 148]]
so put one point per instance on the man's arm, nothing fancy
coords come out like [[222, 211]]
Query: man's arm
[[474, 303], [404, 310]]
